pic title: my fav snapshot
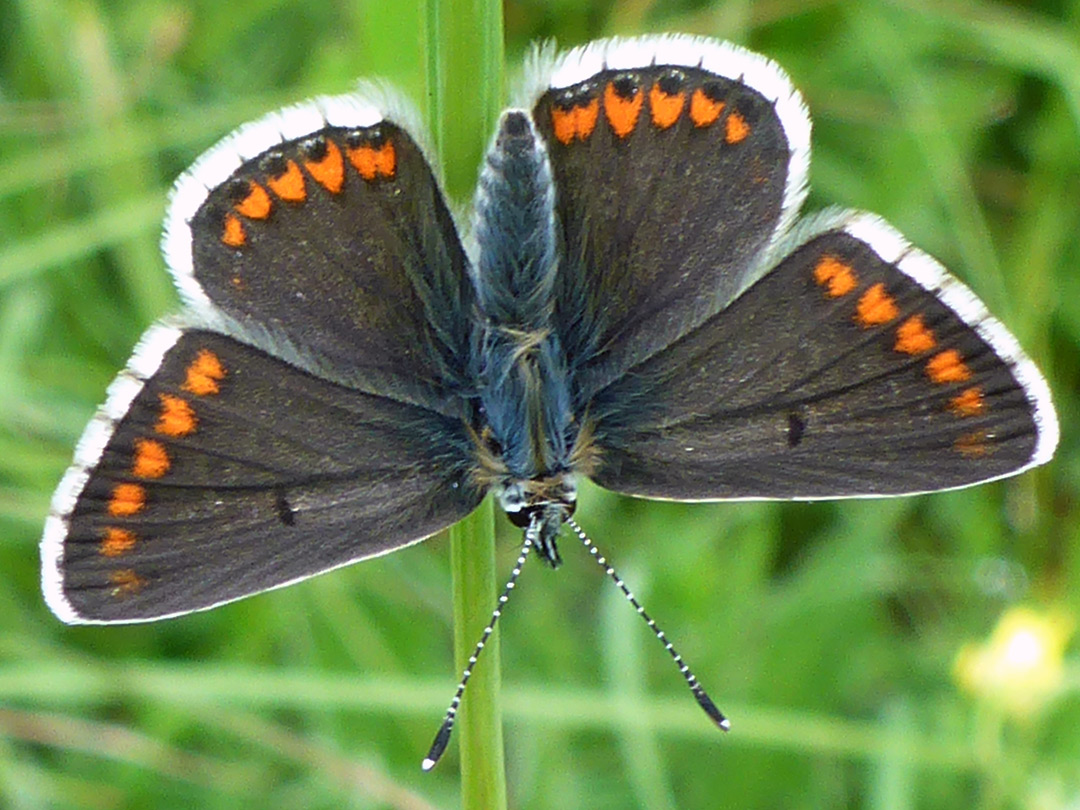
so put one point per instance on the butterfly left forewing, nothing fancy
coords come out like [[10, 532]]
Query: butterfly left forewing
[[320, 233], [856, 367]]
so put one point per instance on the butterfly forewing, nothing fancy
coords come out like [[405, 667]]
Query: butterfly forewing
[[671, 180], [337, 248]]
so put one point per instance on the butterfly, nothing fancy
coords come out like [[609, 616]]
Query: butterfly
[[638, 302]]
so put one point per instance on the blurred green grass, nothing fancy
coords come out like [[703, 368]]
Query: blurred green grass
[[827, 632]]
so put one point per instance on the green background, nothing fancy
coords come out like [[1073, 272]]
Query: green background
[[827, 632]]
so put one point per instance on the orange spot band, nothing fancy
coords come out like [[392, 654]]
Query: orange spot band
[[370, 162], [386, 160], [233, 234], [329, 172], [665, 109], [969, 402], [972, 445], [622, 113], [203, 374], [947, 367], [125, 582], [837, 277], [875, 307], [362, 159], [151, 459], [289, 185], [735, 128], [577, 122], [562, 122], [116, 542], [703, 110], [913, 336], [256, 205], [127, 500], [177, 417]]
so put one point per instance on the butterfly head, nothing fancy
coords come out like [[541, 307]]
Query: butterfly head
[[546, 502]]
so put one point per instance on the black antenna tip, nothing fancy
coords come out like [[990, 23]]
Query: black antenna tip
[[438, 748], [717, 716]]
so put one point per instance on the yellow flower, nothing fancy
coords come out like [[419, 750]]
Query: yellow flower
[[1020, 667]]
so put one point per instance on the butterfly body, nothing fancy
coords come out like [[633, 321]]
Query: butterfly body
[[530, 428]]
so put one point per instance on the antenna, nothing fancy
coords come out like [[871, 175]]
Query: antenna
[[442, 738], [700, 695]]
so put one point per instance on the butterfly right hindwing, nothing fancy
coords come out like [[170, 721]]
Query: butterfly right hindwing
[[856, 367]]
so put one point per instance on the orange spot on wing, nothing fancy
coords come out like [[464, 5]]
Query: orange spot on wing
[[151, 459], [233, 234], [665, 109], [585, 118], [703, 110], [913, 337], [735, 128], [363, 159], [256, 205], [329, 172], [972, 445], [837, 277], [577, 122], [203, 374], [622, 113], [289, 185], [386, 160], [562, 122], [177, 417], [127, 500], [125, 582], [968, 403], [116, 542], [947, 367], [875, 307]]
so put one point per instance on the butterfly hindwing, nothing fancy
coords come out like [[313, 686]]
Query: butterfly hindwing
[[216, 470], [675, 161], [856, 367]]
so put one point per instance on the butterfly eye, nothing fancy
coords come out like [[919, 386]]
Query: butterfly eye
[[511, 498]]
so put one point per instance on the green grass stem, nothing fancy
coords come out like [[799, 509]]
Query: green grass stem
[[465, 92]]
